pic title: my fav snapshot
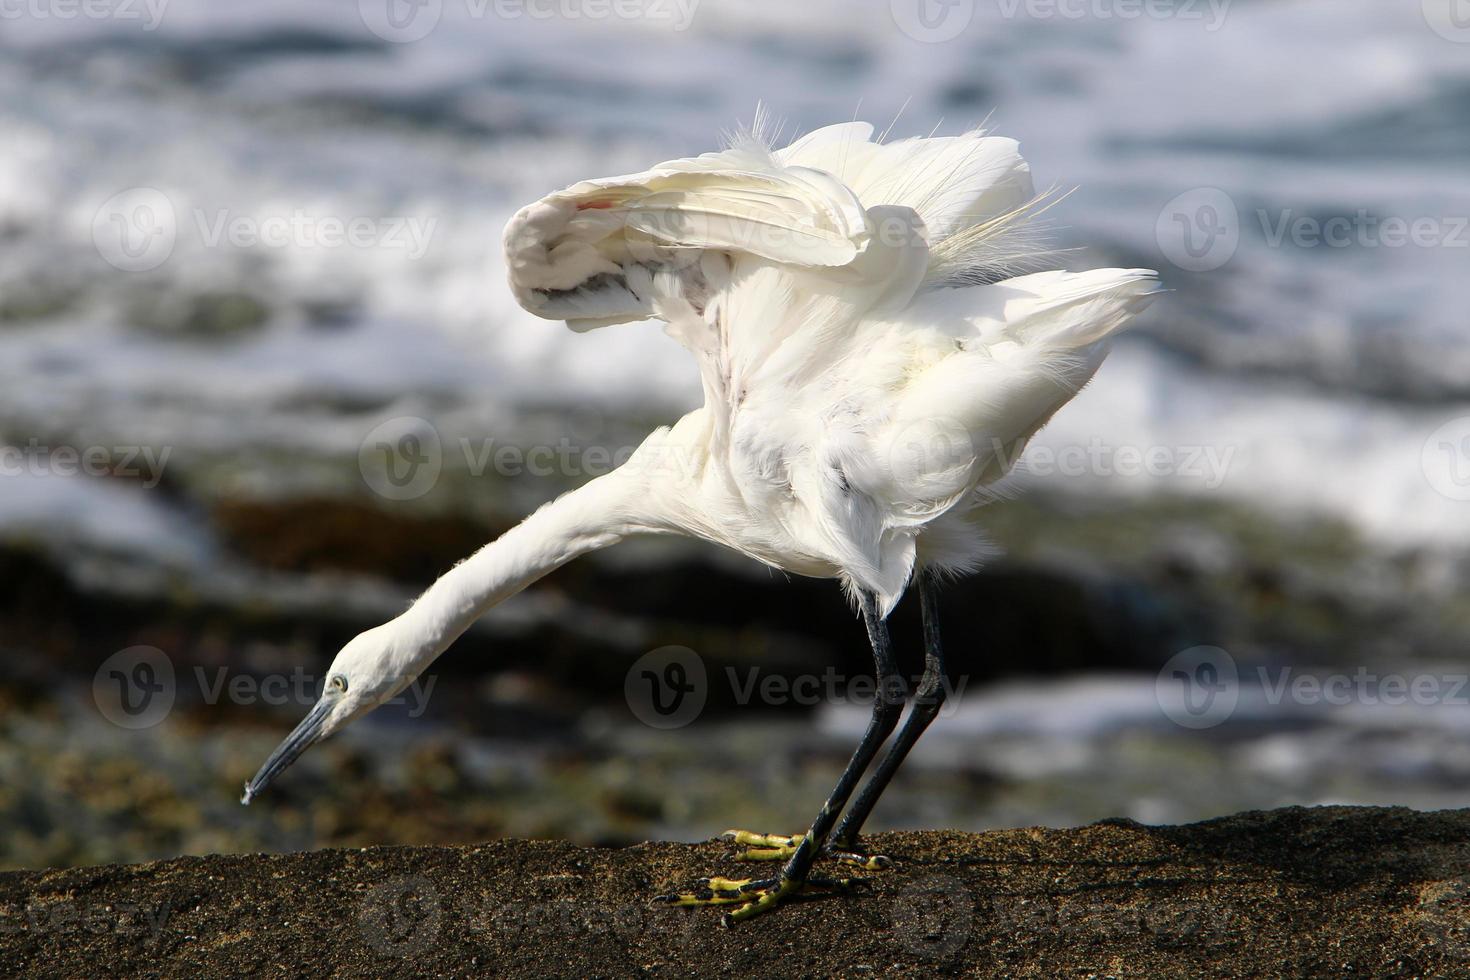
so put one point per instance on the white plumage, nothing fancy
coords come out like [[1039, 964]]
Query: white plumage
[[868, 367], [871, 362]]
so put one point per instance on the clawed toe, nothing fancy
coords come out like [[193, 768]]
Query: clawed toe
[[753, 895], [715, 891], [756, 895], [780, 847], [749, 838], [857, 855], [868, 862]]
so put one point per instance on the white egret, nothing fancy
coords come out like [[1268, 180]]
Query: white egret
[[872, 359]]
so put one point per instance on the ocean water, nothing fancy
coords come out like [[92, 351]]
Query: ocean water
[[1321, 371]]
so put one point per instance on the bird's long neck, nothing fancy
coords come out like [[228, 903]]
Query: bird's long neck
[[596, 515]]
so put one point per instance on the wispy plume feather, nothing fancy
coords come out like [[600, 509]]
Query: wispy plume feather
[[1010, 244]]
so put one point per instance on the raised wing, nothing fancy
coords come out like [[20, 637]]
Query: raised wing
[[996, 362], [953, 182], [869, 354], [972, 193], [590, 254], [1026, 347]]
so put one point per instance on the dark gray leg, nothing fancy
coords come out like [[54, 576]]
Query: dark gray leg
[[887, 707], [927, 701], [760, 895]]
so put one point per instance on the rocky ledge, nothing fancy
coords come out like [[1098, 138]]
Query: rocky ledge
[[1329, 891]]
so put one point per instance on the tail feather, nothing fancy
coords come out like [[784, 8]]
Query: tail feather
[[1075, 309]]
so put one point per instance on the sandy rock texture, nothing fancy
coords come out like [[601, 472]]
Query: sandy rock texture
[[1330, 891]]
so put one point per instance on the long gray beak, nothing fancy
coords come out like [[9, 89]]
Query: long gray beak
[[302, 737]]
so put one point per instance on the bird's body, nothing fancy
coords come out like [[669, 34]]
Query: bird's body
[[871, 364], [854, 412]]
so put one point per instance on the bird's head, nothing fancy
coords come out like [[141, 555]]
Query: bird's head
[[366, 672]]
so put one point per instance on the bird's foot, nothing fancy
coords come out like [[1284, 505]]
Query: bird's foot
[[753, 895], [780, 847]]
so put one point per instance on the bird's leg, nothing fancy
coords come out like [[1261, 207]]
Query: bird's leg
[[757, 896], [927, 701]]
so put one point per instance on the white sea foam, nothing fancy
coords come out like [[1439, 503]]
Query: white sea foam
[[256, 114]]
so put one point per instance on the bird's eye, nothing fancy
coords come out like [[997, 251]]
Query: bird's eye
[[338, 683]]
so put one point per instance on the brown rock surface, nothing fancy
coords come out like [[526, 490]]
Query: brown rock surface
[[1331, 891]]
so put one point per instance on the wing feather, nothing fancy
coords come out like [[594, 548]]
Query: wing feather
[[870, 358], [570, 253], [953, 182]]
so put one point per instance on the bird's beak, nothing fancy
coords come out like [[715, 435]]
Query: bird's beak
[[302, 737]]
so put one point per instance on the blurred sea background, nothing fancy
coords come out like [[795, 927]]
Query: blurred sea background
[[1274, 463]]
